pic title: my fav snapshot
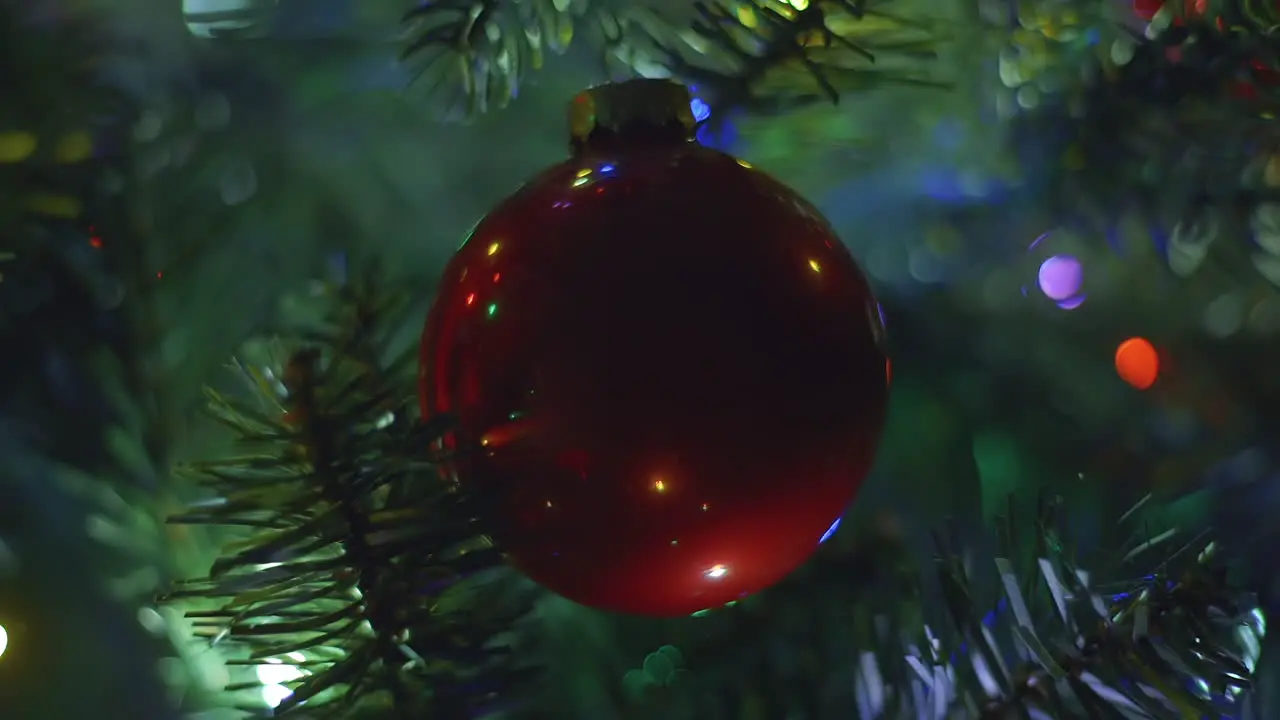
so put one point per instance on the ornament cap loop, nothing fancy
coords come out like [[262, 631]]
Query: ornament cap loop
[[631, 111]]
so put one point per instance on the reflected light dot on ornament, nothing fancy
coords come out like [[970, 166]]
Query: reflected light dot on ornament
[[814, 266], [830, 531], [4, 640], [715, 572], [1137, 363], [1060, 277]]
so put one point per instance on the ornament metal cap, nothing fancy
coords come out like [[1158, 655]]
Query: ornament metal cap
[[631, 109]]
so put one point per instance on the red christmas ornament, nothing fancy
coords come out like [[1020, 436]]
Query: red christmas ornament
[[667, 371]]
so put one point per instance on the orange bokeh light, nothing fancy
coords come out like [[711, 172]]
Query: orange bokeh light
[[1137, 363]]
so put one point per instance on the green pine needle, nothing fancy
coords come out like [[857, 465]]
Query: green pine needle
[[1177, 643], [768, 55], [763, 55], [473, 56], [352, 553]]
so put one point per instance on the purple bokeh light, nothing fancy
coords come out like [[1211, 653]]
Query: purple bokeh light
[[1072, 303], [1061, 277]]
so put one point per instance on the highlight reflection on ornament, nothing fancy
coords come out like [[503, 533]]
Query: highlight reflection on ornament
[[830, 531]]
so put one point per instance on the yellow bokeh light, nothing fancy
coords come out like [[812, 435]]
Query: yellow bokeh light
[[660, 485], [16, 146], [814, 266], [493, 249], [74, 148]]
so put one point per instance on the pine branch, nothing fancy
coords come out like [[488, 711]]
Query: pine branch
[[761, 55], [1166, 645], [1177, 642], [80, 479], [357, 556], [473, 56], [768, 55]]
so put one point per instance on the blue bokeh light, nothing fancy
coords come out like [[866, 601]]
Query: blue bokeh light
[[701, 110], [720, 134]]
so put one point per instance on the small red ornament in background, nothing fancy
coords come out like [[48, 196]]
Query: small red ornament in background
[[667, 372], [1147, 9], [1138, 363]]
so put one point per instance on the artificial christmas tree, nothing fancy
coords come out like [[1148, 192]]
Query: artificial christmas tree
[[348, 581]]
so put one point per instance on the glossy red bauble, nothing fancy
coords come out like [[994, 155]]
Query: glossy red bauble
[[667, 374]]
